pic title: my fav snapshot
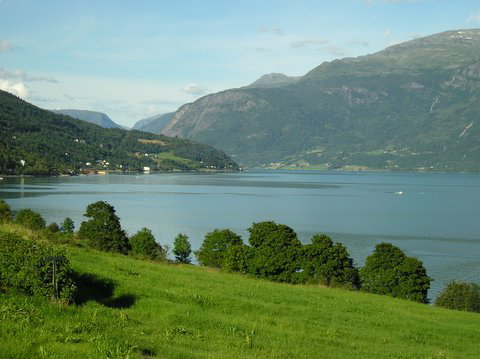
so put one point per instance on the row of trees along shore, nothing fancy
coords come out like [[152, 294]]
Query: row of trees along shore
[[274, 252]]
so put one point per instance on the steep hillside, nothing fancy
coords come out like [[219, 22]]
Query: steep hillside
[[412, 106], [36, 141], [98, 118], [154, 124]]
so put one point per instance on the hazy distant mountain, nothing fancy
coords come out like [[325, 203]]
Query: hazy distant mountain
[[98, 118], [153, 124], [412, 106], [274, 80]]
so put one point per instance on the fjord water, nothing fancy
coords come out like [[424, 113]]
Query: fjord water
[[434, 217]]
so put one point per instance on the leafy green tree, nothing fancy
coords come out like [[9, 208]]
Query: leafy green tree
[[390, 272], [328, 263], [182, 249], [103, 230], [215, 245], [5, 212], [30, 219], [143, 245], [460, 295], [276, 252], [68, 226], [237, 259]]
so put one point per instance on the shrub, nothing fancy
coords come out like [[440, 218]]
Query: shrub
[[5, 212], [214, 247], [25, 265], [276, 252], [143, 245], [30, 219], [460, 296], [182, 249], [328, 263], [389, 271], [53, 228], [103, 230]]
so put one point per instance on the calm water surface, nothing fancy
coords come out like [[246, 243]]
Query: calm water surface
[[434, 217]]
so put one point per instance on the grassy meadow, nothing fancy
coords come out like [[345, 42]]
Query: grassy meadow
[[131, 308]]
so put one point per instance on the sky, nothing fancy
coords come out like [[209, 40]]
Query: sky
[[134, 59]]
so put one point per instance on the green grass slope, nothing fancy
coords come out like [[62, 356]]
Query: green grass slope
[[135, 309]]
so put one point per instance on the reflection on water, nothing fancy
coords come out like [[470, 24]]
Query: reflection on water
[[434, 217]]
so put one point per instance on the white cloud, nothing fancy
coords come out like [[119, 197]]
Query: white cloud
[[474, 17], [276, 30], [363, 43], [194, 89], [19, 75], [5, 46], [17, 88], [392, 1], [303, 43]]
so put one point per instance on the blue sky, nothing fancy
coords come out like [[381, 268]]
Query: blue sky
[[133, 59]]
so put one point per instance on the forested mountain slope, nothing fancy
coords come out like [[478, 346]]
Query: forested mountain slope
[[36, 141], [413, 106]]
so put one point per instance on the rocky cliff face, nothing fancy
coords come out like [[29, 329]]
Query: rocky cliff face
[[412, 106]]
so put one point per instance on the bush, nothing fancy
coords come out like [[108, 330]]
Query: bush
[[103, 230], [30, 219], [329, 264], [389, 271], [25, 265], [182, 249], [276, 252], [143, 245], [460, 296], [53, 228], [214, 247], [5, 212]]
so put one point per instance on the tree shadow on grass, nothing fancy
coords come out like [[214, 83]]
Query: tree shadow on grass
[[92, 287]]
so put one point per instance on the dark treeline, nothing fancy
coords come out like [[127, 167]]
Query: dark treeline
[[273, 252]]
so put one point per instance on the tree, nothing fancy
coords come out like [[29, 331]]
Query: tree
[[215, 245], [237, 258], [143, 245], [182, 249], [328, 263], [460, 295], [68, 226], [30, 219], [5, 212], [389, 271], [103, 230], [276, 252]]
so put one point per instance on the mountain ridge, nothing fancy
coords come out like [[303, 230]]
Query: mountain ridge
[[98, 118], [402, 108]]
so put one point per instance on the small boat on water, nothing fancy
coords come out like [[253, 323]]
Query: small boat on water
[[399, 192]]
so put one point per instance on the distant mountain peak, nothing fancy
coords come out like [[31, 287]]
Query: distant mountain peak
[[273, 79], [98, 118]]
